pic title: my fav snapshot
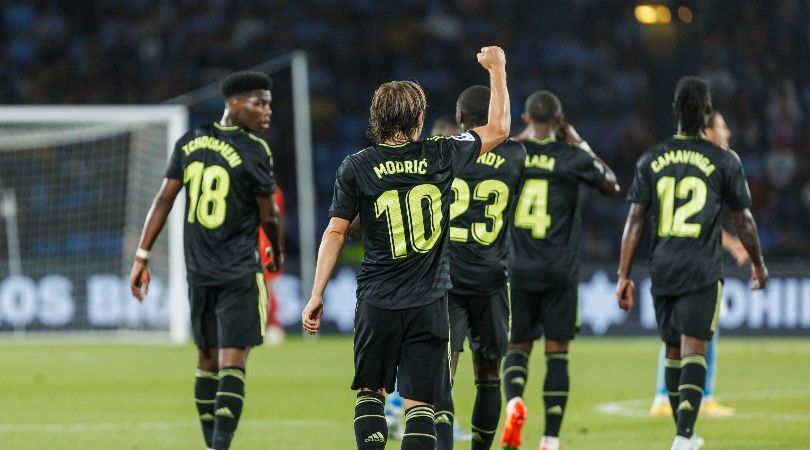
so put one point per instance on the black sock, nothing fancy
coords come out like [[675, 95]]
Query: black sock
[[370, 430], [515, 372], [555, 391], [443, 420], [486, 412], [693, 379], [420, 433], [228, 406], [205, 393], [672, 379]]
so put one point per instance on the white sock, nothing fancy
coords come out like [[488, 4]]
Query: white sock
[[510, 405], [550, 442]]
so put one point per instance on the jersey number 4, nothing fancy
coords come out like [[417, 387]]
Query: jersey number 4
[[421, 201], [207, 192], [481, 231], [531, 211], [672, 221]]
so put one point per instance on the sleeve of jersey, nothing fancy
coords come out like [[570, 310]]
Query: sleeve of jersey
[[260, 170], [736, 195], [640, 189], [175, 169], [589, 170], [345, 201], [464, 149]]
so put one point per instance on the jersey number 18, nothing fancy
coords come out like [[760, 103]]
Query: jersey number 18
[[207, 192]]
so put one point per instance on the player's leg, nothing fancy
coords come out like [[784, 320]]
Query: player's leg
[[660, 405], [672, 350], [560, 318], [377, 340], [489, 338], [444, 408], [696, 314], [424, 371], [241, 311], [526, 328], [204, 331], [710, 406]]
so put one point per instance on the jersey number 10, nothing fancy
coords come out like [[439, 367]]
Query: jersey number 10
[[207, 192], [672, 221], [388, 204]]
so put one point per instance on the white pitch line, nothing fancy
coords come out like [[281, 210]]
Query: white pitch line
[[639, 407], [153, 425]]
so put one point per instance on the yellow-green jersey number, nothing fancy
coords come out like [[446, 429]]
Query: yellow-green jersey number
[[207, 193], [672, 221], [531, 211], [496, 194], [422, 201]]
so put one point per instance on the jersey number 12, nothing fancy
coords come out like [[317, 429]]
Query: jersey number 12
[[672, 221]]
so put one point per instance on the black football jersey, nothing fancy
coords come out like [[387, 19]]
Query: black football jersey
[[402, 194], [544, 241], [684, 182], [480, 214], [223, 169]]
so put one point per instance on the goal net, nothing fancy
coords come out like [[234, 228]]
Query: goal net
[[76, 185]]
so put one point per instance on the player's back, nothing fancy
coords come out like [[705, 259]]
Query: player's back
[[402, 195], [223, 170], [480, 215], [685, 181], [544, 243]]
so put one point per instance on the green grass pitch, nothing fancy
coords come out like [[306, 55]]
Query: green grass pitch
[[59, 396]]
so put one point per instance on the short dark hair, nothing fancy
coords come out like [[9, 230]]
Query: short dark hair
[[395, 108], [445, 126], [692, 102], [245, 81], [543, 107], [473, 103]]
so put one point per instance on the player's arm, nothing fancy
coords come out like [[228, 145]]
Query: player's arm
[[747, 233], [499, 116], [733, 245], [328, 252], [161, 207], [355, 231], [609, 186], [633, 229], [273, 226]]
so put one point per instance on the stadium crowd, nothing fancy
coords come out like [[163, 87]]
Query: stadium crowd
[[614, 75]]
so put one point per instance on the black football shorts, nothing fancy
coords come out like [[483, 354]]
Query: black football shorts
[[484, 319], [233, 314], [692, 314], [550, 312], [406, 346]]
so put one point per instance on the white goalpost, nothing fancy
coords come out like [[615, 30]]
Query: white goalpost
[[77, 182]]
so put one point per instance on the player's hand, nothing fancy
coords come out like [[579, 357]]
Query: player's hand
[[492, 58], [568, 134], [139, 279], [276, 262], [311, 316], [759, 273], [624, 293]]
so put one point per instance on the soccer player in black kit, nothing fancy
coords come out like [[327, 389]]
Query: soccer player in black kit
[[682, 184], [544, 260], [228, 175], [479, 300], [401, 187]]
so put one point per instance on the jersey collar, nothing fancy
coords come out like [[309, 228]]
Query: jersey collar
[[225, 127], [543, 141]]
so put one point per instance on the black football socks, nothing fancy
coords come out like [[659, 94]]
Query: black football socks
[[443, 420], [486, 412], [555, 391], [420, 433], [693, 379], [672, 379], [515, 372], [205, 394], [228, 406], [370, 429]]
